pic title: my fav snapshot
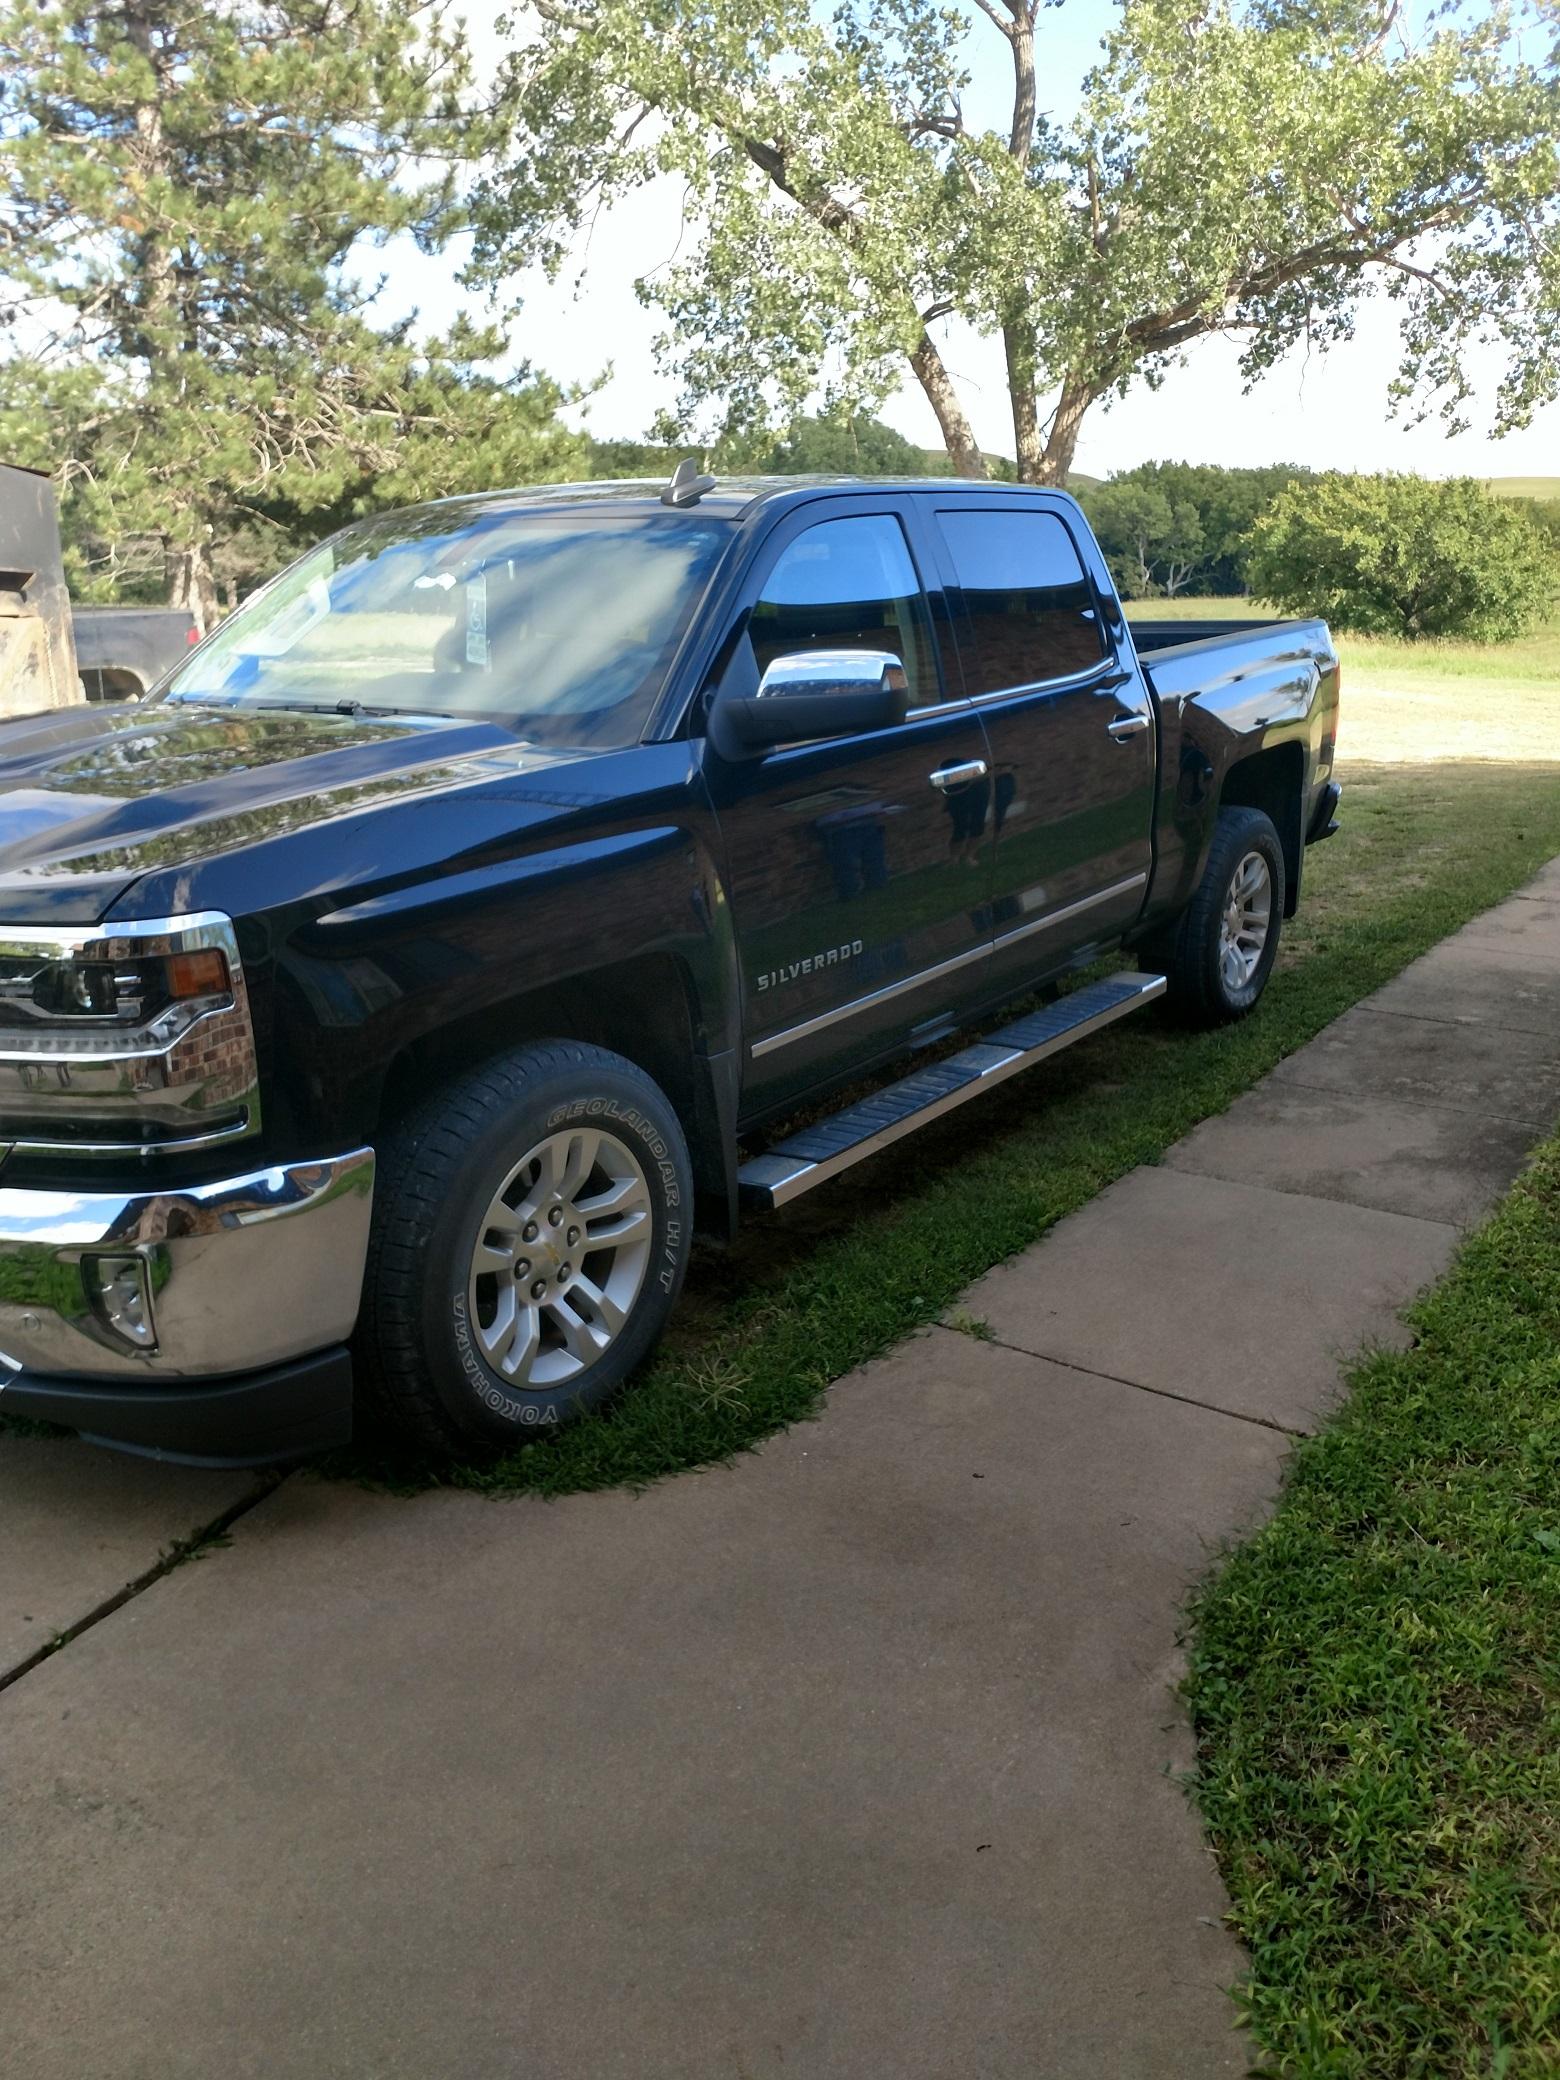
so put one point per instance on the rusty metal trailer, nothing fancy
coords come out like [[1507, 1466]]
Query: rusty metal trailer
[[37, 648]]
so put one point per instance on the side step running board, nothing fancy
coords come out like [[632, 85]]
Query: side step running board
[[829, 1146]]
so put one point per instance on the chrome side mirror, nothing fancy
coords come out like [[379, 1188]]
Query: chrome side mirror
[[821, 693]]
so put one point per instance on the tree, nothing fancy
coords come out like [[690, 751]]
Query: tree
[[1544, 514], [179, 189], [436, 423], [1246, 166], [1152, 543], [851, 446], [1178, 526], [1404, 556]]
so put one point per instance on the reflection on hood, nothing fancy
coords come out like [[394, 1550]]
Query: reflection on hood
[[90, 797]]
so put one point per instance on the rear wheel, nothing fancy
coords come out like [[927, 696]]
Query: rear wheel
[[530, 1242], [1219, 953]]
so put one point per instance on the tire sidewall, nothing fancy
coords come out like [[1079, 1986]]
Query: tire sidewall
[[480, 1401], [1255, 835]]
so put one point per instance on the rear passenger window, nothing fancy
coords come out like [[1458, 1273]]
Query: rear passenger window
[[1031, 611], [847, 584]]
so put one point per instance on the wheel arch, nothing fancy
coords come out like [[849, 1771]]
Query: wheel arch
[[644, 1008], [1273, 780]]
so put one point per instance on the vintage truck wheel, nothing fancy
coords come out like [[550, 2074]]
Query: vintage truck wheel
[[1221, 950], [530, 1240]]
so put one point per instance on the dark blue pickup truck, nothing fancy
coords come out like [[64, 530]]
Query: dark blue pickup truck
[[387, 1000]]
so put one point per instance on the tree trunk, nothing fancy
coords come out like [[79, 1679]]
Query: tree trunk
[[958, 437], [153, 268], [1066, 424], [192, 582], [1028, 448]]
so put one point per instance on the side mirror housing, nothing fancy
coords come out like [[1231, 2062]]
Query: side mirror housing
[[820, 693]]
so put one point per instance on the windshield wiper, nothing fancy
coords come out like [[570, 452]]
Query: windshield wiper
[[242, 702], [343, 707], [346, 707]]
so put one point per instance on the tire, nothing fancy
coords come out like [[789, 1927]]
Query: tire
[[1208, 987], [549, 1130]]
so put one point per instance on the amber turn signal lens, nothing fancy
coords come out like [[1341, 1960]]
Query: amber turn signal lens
[[200, 974]]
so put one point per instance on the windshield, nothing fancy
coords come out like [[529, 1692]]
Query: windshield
[[561, 624]]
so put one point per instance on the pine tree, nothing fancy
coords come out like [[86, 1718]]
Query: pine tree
[[180, 188]]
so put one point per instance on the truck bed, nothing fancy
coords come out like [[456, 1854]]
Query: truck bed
[[1187, 658], [123, 651], [1172, 635]]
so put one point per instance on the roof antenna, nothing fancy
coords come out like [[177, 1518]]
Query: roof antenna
[[687, 487]]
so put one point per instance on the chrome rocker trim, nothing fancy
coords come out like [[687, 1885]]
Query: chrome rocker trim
[[923, 976]]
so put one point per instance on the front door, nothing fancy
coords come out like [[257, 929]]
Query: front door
[[858, 867], [1071, 735]]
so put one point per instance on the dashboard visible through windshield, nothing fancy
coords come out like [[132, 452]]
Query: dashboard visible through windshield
[[560, 624]]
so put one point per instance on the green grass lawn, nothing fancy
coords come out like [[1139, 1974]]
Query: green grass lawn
[[1375, 1682], [807, 1294]]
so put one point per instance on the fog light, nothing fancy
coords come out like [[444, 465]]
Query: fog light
[[119, 1293]]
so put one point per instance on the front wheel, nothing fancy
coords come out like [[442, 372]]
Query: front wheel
[[1218, 955], [531, 1238]]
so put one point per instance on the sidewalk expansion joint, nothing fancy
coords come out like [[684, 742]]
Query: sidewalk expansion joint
[[173, 1556], [1283, 1191], [1212, 1408], [1428, 1018], [1472, 1110]]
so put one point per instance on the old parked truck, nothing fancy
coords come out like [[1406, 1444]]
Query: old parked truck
[[389, 1000], [37, 657], [122, 652]]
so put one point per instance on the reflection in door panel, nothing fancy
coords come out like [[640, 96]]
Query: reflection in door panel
[[1073, 804], [848, 870]]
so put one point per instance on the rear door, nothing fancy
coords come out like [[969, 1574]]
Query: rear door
[[1070, 729], [858, 867]]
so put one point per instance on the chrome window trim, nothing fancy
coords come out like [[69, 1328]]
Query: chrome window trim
[[1108, 669], [1070, 682], [922, 976], [102, 1059]]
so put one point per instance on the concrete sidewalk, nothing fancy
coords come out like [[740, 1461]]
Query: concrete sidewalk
[[852, 1759]]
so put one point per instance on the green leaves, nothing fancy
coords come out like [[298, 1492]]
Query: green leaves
[[1249, 166], [180, 189], [1170, 527], [1404, 556]]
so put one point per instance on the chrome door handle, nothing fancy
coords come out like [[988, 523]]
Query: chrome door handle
[[1127, 726], [959, 775]]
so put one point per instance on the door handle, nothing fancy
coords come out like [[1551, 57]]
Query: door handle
[[959, 775], [1127, 726]]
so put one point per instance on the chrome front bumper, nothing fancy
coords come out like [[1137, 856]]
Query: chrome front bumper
[[240, 1275]]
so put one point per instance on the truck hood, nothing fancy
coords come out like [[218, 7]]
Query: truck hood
[[93, 797]]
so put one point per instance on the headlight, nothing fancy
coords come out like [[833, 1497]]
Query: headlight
[[125, 1037], [170, 989]]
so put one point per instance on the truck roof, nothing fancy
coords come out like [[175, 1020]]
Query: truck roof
[[729, 500]]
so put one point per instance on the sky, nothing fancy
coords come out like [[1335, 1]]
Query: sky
[[1327, 411]]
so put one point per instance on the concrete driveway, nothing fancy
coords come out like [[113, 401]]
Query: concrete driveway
[[855, 1758]]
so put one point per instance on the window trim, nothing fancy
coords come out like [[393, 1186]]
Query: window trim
[[1109, 662]]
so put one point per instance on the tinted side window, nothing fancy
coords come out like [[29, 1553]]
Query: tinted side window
[[847, 584], [1031, 612]]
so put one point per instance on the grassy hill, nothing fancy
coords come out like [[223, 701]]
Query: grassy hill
[[1523, 487]]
